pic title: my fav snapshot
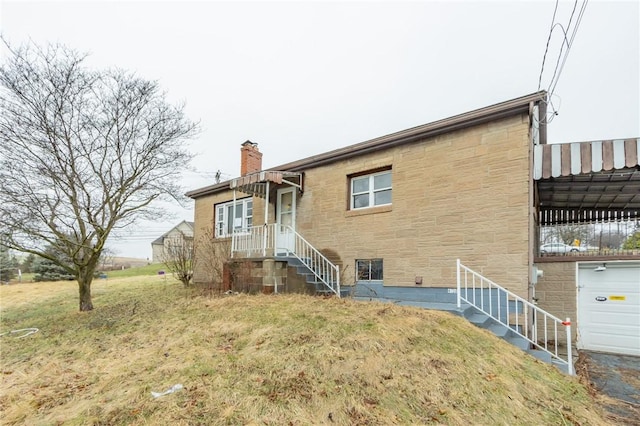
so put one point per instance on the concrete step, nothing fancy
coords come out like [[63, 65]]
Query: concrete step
[[499, 330], [560, 365], [541, 355], [311, 277], [479, 319], [467, 310], [519, 342], [321, 286], [438, 306], [303, 270]]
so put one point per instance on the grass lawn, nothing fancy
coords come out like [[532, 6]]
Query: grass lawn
[[273, 360], [146, 270]]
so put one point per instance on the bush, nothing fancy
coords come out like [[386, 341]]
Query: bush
[[53, 277], [48, 271]]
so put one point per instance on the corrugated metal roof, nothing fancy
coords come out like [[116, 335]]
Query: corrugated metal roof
[[587, 181], [567, 159], [256, 183]]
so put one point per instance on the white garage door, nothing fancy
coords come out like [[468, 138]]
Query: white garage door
[[609, 307]]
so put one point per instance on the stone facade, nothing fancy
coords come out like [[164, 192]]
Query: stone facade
[[459, 195], [464, 194], [556, 291]]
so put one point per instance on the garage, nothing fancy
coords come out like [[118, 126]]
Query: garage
[[609, 307]]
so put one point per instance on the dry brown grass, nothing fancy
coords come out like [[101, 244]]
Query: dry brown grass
[[272, 360]]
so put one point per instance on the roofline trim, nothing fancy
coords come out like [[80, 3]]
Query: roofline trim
[[457, 122]]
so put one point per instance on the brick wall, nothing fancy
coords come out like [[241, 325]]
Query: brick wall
[[212, 252], [463, 194], [556, 290], [250, 158]]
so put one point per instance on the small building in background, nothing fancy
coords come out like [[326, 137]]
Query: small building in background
[[159, 246]]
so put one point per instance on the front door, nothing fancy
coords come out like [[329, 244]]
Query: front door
[[285, 221]]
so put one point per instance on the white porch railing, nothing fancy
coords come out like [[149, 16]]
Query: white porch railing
[[536, 325], [255, 241], [261, 241]]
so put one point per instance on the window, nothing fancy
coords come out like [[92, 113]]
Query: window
[[371, 190], [225, 212], [369, 269]]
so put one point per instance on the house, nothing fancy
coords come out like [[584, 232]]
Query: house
[[160, 246], [388, 218]]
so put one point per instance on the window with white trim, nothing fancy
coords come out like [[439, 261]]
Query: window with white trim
[[369, 269], [226, 222], [370, 190]]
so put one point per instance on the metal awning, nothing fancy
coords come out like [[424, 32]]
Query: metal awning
[[257, 183], [587, 181]]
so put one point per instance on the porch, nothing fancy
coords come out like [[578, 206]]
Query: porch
[[277, 243]]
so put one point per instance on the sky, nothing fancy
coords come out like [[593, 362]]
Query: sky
[[302, 78]]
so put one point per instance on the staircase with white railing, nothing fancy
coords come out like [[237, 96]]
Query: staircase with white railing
[[538, 329], [262, 241]]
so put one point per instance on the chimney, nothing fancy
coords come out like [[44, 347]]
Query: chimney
[[250, 158]]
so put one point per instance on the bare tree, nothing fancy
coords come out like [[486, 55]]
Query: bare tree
[[106, 258], [610, 239], [83, 153], [179, 257], [211, 255], [566, 233]]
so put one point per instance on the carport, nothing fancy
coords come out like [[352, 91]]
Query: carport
[[587, 181], [588, 194]]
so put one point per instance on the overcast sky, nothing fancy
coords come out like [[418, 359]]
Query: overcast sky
[[301, 78]]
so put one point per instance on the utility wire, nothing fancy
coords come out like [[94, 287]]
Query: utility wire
[[544, 57], [562, 56], [573, 36], [564, 42]]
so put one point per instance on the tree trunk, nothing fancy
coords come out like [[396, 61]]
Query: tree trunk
[[84, 285]]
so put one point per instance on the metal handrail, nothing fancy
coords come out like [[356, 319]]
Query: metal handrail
[[322, 268], [537, 326], [260, 240]]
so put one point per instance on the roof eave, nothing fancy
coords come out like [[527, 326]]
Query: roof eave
[[211, 189], [461, 121]]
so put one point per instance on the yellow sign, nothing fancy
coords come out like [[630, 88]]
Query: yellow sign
[[617, 297]]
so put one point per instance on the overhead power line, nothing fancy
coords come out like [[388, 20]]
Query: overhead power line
[[567, 42], [546, 50]]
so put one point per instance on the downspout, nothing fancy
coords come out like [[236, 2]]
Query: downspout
[[534, 137], [233, 224], [266, 228], [537, 135]]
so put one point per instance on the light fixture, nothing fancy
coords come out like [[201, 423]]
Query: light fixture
[[601, 268]]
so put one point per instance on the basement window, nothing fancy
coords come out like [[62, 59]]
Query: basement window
[[369, 269]]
